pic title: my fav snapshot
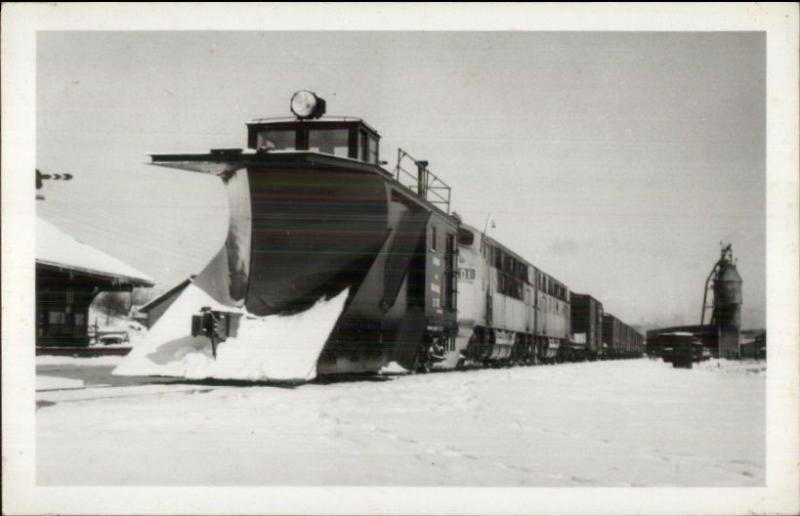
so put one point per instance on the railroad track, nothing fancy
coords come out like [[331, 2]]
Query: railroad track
[[82, 352]]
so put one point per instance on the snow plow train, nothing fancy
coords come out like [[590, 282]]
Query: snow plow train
[[333, 264]]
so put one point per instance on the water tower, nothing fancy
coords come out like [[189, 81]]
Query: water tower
[[725, 286]]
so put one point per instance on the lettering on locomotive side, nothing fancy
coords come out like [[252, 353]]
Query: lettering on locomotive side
[[466, 274]]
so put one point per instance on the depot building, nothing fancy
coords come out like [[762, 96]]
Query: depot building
[[69, 275]]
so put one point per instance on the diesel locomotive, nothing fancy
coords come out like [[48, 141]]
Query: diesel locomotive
[[314, 215]]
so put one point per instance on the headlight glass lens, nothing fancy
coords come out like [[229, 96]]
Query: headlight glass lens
[[303, 103]]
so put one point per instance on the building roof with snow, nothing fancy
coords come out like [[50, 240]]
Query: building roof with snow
[[56, 248]]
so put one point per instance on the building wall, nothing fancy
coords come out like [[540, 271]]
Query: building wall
[[63, 297]]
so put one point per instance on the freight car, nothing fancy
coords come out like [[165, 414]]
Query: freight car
[[333, 264], [587, 323], [620, 340]]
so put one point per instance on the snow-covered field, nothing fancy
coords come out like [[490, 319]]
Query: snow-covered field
[[623, 423]]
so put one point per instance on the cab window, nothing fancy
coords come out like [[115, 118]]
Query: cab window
[[372, 150], [329, 141], [367, 148], [281, 139]]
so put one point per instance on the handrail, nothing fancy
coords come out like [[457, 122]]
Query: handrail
[[422, 181]]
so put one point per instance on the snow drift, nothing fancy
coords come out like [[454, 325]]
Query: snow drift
[[270, 348]]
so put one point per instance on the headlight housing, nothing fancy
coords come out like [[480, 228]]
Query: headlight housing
[[306, 105]]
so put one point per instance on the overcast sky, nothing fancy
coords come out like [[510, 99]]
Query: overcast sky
[[617, 162]]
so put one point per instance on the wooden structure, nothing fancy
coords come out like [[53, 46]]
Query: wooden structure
[[69, 274]]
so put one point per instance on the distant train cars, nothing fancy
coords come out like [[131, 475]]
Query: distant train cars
[[512, 312], [620, 340], [587, 325]]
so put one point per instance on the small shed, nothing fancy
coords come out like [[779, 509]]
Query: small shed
[[156, 307], [69, 274]]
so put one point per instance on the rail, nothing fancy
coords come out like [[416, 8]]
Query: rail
[[422, 181]]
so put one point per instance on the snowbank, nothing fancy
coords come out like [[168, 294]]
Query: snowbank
[[393, 368], [274, 348], [57, 382]]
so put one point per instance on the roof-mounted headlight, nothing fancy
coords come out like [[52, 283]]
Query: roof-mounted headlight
[[305, 104]]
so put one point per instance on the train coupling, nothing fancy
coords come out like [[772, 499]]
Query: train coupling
[[216, 325]]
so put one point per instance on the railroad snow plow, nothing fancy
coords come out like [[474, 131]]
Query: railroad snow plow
[[325, 268]]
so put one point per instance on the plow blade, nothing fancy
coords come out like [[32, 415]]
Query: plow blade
[[266, 348]]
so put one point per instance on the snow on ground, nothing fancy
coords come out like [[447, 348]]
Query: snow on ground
[[44, 383], [77, 362], [734, 366], [621, 423]]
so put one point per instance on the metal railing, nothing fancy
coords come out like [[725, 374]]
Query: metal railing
[[422, 181]]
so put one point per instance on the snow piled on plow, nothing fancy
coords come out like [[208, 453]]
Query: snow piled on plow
[[271, 348]]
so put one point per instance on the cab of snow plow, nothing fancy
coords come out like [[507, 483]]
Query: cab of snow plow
[[331, 264], [345, 137]]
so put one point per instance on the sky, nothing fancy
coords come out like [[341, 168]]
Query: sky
[[616, 162]]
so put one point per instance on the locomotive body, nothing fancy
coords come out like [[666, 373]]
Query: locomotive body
[[552, 317], [509, 311]]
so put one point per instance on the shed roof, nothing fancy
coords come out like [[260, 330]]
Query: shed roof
[[147, 307], [56, 248]]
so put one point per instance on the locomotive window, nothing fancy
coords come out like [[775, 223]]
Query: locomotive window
[[283, 139], [329, 141], [362, 145], [465, 236], [367, 148], [372, 150], [433, 238]]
